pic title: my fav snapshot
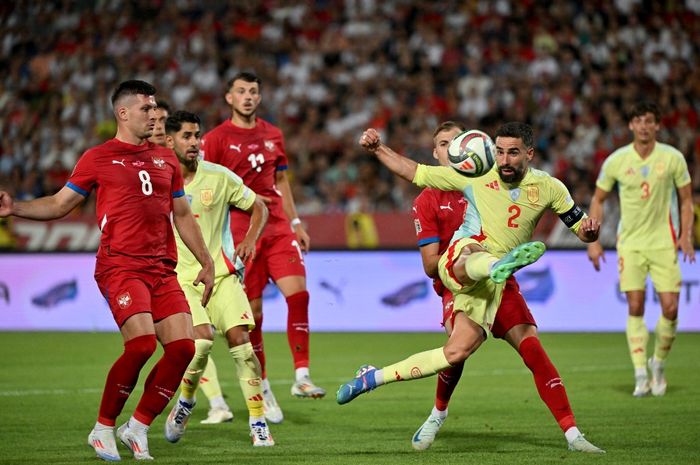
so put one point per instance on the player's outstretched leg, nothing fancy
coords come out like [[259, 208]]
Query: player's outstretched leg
[[581, 444], [101, 438], [522, 255], [134, 435], [363, 381]]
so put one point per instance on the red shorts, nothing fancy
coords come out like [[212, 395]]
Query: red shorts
[[513, 310], [275, 257], [129, 292]]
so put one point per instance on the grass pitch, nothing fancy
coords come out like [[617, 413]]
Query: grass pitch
[[51, 384]]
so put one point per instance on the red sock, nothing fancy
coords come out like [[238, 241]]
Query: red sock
[[298, 328], [447, 382], [256, 339], [123, 376], [548, 382], [164, 379]]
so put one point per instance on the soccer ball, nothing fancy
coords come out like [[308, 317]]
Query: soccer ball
[[472, 153]]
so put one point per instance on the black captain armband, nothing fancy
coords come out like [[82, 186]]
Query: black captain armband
[[572, 217]]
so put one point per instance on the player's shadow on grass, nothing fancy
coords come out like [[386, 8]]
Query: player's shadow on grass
[[628, 388], [505, 442]]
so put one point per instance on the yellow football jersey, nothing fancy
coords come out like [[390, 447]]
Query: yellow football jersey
[[503, 215], [210, 193], [649, 217]]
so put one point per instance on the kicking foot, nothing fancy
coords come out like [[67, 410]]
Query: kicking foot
[[362, 382], [522, 255]]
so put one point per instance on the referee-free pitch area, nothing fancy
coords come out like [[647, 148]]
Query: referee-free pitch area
[[51, 383]]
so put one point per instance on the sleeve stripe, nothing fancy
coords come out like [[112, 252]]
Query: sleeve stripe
[[179, 193], [428, 240], [282, 168], [77, 189]]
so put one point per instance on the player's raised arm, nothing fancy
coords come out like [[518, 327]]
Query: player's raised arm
[[397, 164], [258, 219], [43, 208], [192, 237]]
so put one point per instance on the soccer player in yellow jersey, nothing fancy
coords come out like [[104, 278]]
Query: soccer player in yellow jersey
[[503, 208], [211, 190], [651, 178], [219, 411]]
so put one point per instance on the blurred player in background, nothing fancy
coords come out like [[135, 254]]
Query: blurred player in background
[[651, 177], [211, 190], [162, 113], [437, 215], [254, 149], [503, 208], [219, 411], [139, 187]]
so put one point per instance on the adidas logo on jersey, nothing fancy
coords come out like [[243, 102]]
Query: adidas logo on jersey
[[493, 185]]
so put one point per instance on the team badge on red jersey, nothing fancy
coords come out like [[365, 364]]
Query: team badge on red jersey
[[269, 145], [159, 162], [124, 300]]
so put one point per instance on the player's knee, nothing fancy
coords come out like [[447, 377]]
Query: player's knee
[[181, 351], [202, 347], [141, 347]]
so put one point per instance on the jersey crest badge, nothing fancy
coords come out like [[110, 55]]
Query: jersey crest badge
[[124, 300], [269, 145], [659, 168], [418, 226], [515, 194], [533, 194], [206, 197], [159, 162]]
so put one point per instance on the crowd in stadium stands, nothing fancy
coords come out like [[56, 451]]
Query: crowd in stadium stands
[[331, 68]]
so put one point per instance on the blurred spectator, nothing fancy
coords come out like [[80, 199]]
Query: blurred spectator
[[332, 68]]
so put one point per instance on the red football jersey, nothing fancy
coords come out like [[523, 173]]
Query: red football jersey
[[135, 186], [255, 155], [437, 215]]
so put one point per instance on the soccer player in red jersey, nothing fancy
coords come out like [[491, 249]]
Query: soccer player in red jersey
[[437, 215], [254, 149], [139, 187]]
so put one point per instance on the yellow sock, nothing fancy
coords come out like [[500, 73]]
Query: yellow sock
[[209, 382], [190, 380], [478, 265], [249, 377], [420, 365], [637, 338], [665, 335]]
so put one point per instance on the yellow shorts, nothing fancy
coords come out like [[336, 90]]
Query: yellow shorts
[[228, 306], [662, 265], [479, 301]]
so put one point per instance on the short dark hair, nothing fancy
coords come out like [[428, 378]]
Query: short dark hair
[[163, 104], [517, 130], [642, 108], [447, 126], [132, 87], [174, 122], [246, 76]]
